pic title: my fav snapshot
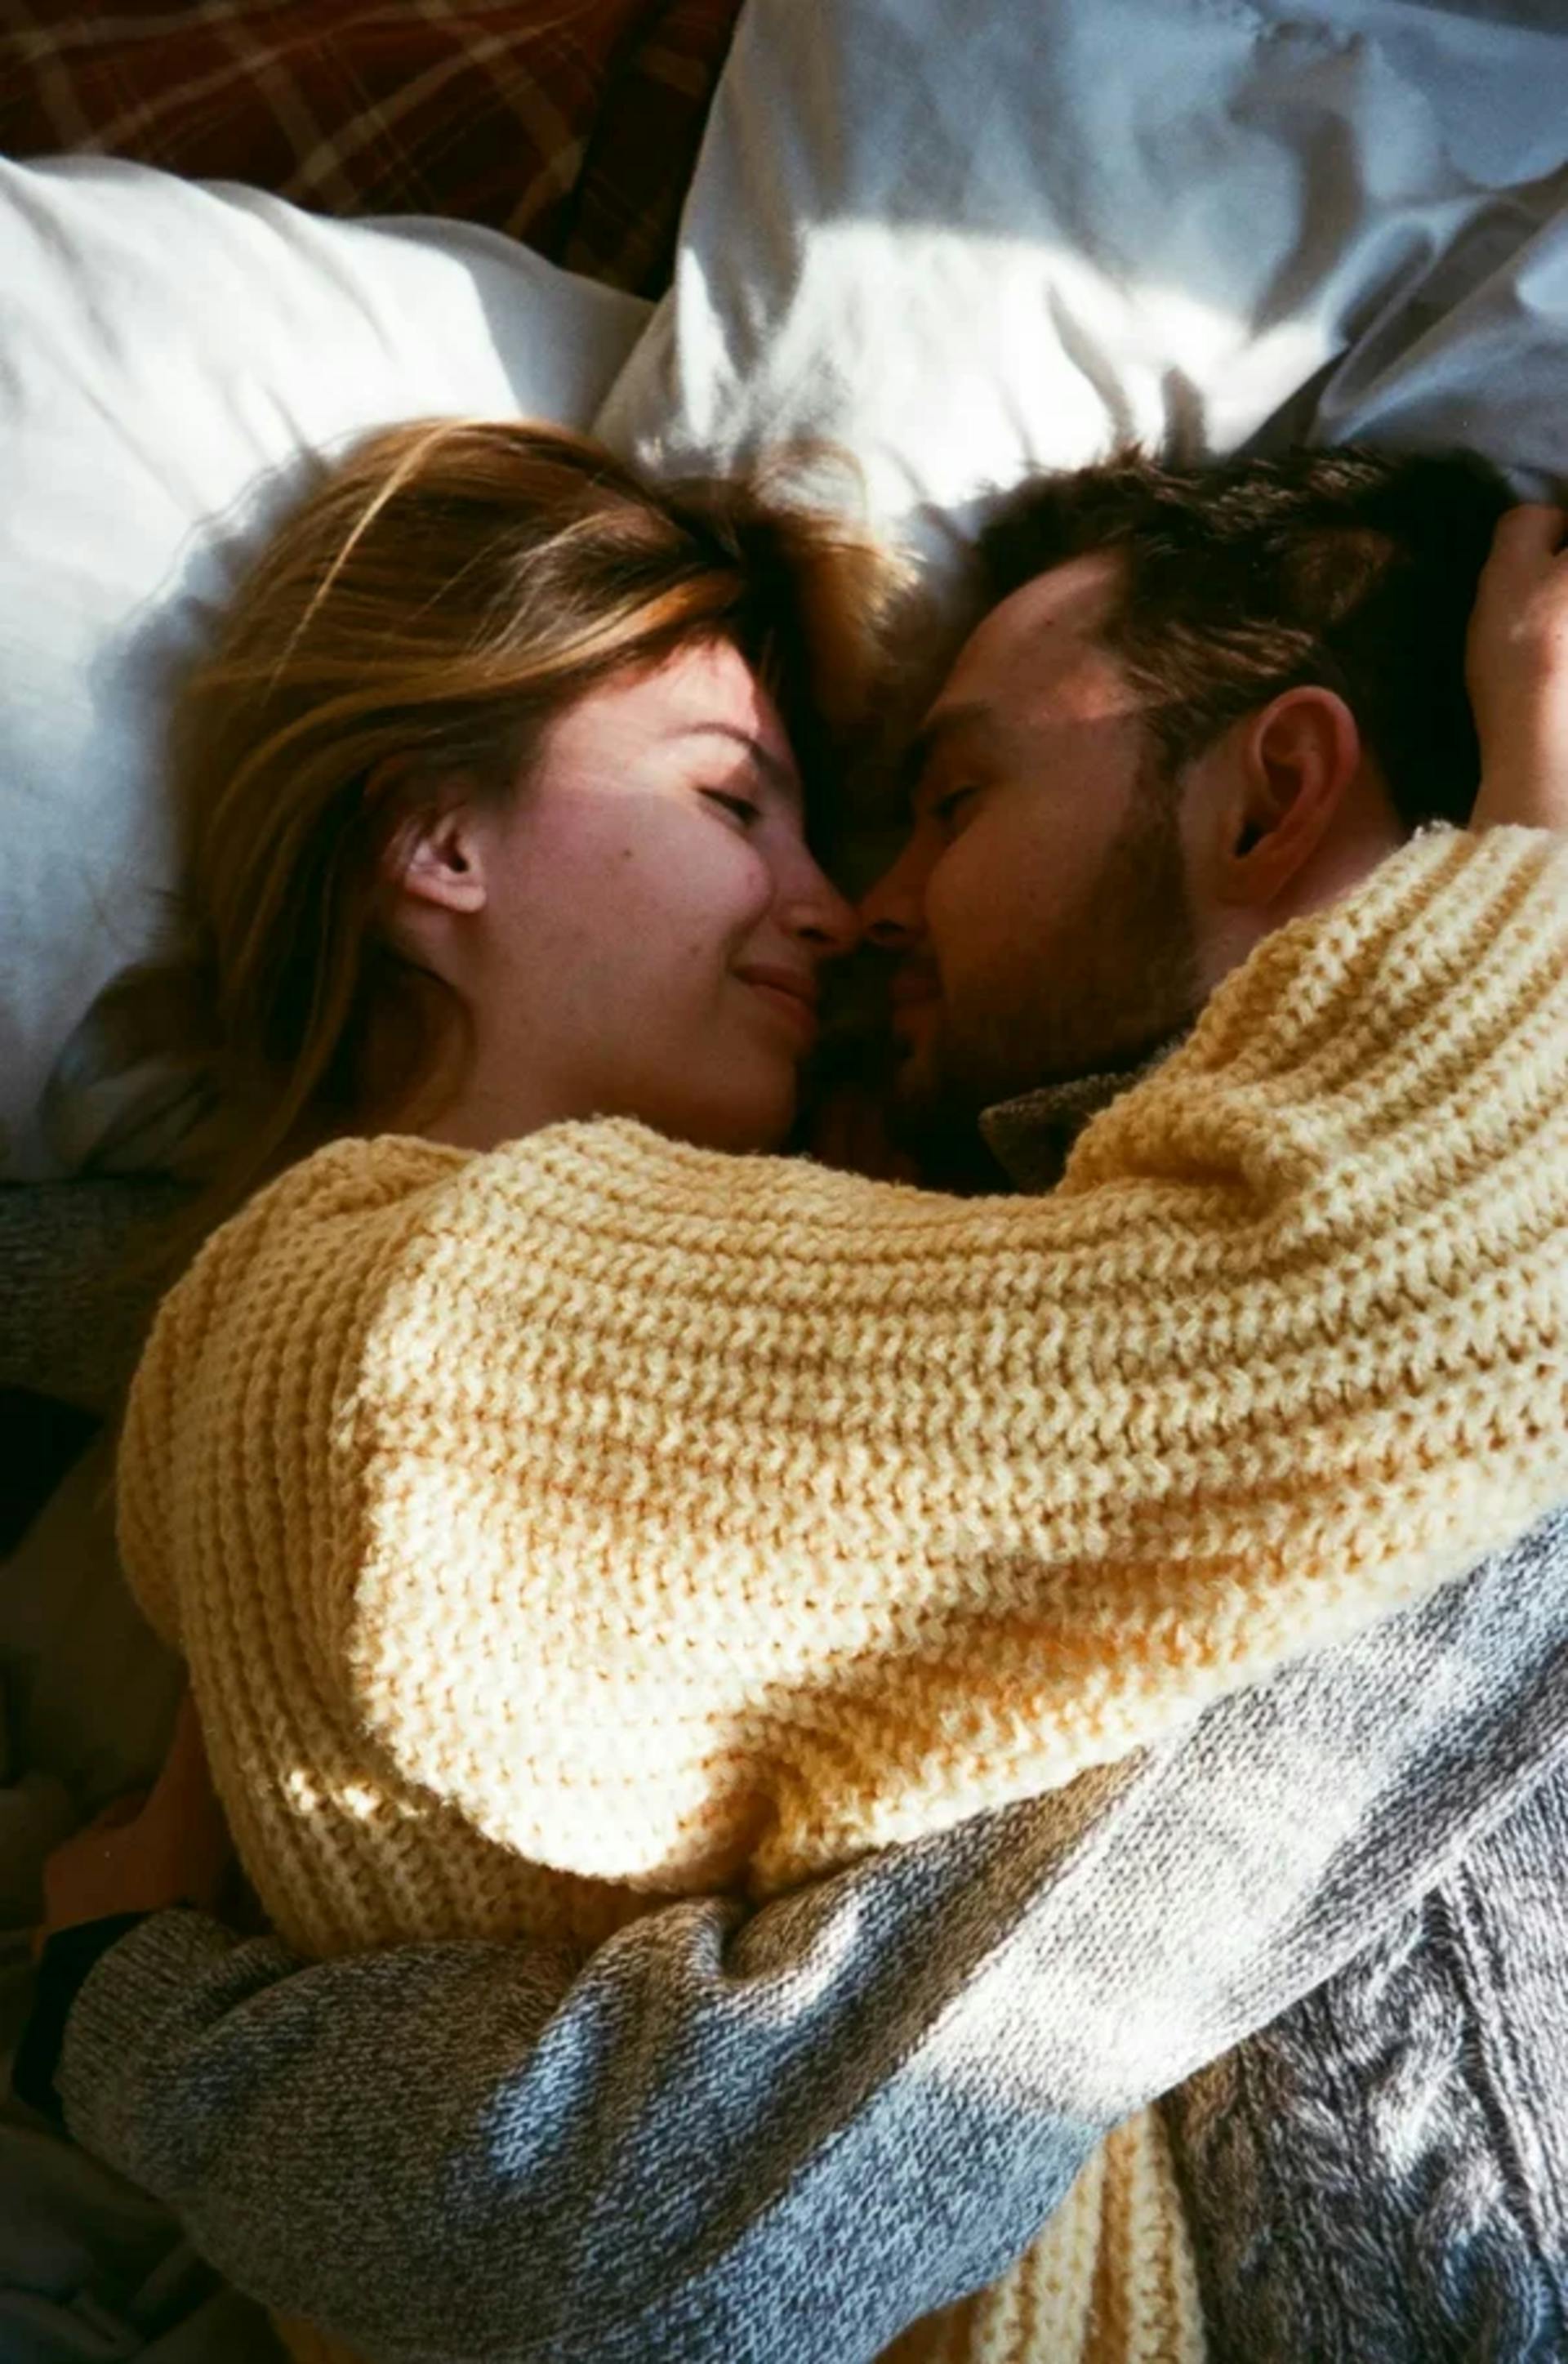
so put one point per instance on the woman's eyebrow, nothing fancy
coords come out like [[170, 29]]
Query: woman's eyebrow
[[774, 770]]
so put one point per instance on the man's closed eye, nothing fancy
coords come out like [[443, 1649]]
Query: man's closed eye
[[945, 810]]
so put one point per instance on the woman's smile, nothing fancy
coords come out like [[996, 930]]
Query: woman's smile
[[792, 999]]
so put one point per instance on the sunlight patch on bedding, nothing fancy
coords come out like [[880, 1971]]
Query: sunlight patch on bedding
[[1048, 361]]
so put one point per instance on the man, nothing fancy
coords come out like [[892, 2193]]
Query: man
[[1201, 705], [788, 2135]]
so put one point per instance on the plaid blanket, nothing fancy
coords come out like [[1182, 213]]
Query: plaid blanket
[[573, 124]]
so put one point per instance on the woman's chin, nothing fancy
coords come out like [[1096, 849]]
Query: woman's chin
[[746, 1123]]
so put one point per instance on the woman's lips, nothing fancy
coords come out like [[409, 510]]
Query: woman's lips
[[800, 1013]]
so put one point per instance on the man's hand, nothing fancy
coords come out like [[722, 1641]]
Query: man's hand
[[144, 1854], [1516, 671]]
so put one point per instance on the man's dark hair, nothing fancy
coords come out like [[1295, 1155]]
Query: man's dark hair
[[1352, 568]]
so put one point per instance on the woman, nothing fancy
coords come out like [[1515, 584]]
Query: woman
[[808, 1768], [384, 930]]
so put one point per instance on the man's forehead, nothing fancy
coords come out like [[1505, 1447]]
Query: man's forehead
[[1039, 633]]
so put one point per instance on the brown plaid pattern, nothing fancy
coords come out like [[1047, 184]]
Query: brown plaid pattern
[[573, 124]]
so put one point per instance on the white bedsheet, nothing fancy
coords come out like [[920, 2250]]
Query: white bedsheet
[[963, 243], [92, 2272]]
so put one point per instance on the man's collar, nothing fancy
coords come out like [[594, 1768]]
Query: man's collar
[[1032, 1137]]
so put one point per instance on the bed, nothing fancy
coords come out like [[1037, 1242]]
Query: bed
[[570, 132], [958, 244]]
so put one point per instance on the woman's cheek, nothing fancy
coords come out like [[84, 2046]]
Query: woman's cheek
[[734, 885]]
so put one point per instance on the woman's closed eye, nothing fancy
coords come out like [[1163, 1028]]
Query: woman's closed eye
[[745, 808]]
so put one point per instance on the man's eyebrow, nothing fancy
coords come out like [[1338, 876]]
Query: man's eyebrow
[[949, 722], [773, 769]]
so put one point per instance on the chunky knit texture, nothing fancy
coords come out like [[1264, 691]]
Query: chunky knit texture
[[602, 1518]]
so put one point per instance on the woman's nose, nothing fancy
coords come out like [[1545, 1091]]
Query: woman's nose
[[826, 916], [892, 912]]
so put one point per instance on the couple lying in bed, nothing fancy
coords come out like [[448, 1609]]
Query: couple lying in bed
[[869, 1687]]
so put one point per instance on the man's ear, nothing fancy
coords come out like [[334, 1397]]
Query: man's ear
[[1286, 772], [435, 856]]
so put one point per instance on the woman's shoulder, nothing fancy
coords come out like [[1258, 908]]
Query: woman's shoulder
[[355, 1175], [308, 1241], [347, 1188]]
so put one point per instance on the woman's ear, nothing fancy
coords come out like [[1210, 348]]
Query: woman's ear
[[1287, 770], [435, 855]]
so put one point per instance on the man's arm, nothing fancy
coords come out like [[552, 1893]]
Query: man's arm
[[735, 2138]]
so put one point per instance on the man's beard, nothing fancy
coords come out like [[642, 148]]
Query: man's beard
[[1120, 983]]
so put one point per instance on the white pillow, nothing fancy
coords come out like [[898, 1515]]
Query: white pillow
[[967, 242], [166, 349]]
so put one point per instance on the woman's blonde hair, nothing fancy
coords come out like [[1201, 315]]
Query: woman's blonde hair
[[430, 607]]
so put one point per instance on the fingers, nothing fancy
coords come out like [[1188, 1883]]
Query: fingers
[[1528, 536], [1516, 669], [185, 1773], [119, 1811], [188, 1747]]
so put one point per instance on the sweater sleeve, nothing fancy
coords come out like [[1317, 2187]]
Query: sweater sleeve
[[682, 1520], [464, 2150]]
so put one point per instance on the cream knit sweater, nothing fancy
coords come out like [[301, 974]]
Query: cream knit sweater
[[555, 1530]]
